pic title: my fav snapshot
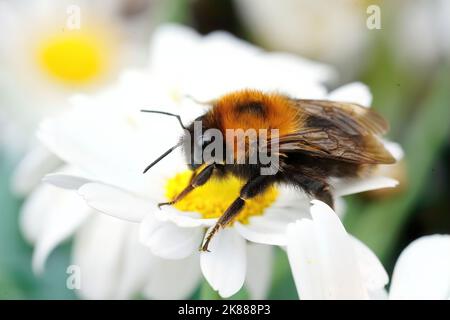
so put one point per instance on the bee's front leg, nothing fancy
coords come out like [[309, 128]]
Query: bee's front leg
[[251, 189], [197, 180]]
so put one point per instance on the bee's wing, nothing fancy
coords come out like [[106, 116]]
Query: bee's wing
[[349, 117], [333, 144], [340, 131]]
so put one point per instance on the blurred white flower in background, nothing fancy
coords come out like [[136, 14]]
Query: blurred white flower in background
[[111, 157], [331, 31], [51, 49], [421, 32], [336, 31]]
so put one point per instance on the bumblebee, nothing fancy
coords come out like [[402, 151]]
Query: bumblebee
[[316, 140]]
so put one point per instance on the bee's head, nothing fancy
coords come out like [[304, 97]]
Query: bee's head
[[200, 141], [197, 137]]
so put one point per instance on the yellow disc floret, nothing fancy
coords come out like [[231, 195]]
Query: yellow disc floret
[[73, 57], [213, 198]]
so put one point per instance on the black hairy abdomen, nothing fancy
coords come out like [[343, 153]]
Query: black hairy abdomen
[[321, 167]]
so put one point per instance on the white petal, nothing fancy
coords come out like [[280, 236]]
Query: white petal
[[182, 219], [28, 174], [289, 63], [380, 294], [340, 207], [355, 92], [167, 43], [113, 263], [423, 270], [115, 202], [304, 260], [49, 216], [136, 261], [374, 275], [225, 266], [98, 249], [35, 209], [344, 187], [322, 257], [167, 240], [66, 214], [292, 199], [65, 181], [220, 40], [173, 279], [264, 233], [259, 270], [122, 151], [395, 149], [270, 228]]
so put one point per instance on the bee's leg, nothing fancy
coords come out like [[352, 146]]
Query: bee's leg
[[251, 189], [316, 187], [324, 195], [197, 180]]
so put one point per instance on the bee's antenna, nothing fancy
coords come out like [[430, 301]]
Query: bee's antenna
[[167, 114], [162, 156]]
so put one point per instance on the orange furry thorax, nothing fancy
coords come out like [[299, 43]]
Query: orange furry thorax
[[252, 109]]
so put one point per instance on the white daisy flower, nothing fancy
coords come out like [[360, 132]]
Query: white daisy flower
[[177, 232], [421, 33], [51, 49], [116, 188], [113, 157], [98, 153], [338, 266]]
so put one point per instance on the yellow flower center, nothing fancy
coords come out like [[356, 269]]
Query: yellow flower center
[[74, 57], [213, 198]]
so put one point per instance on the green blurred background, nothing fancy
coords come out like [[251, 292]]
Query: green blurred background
[[405, 64]]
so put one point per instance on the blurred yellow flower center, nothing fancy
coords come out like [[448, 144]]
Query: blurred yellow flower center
[[73, 57], [213, 198]]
